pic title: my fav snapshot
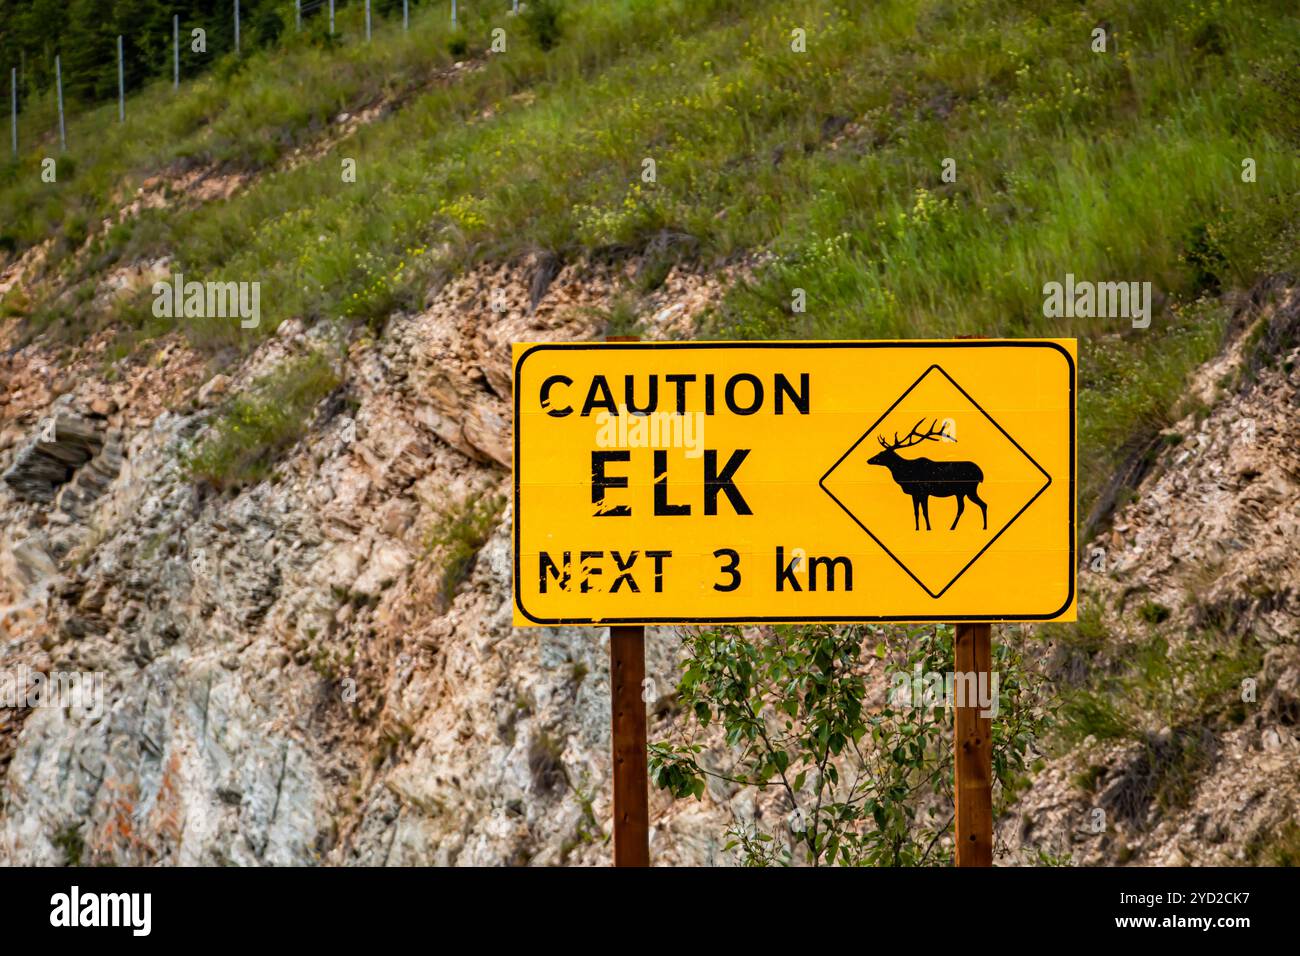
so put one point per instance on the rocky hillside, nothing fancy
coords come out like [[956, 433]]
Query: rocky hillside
[[1183, 677], [292, 677], [292, 674]]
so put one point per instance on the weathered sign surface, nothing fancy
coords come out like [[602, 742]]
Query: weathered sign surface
[[702, 482]]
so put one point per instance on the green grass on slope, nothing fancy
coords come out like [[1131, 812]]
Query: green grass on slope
[[247, 112], [1116, 166]]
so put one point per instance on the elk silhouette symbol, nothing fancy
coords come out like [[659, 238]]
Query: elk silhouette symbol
[[924, 479]]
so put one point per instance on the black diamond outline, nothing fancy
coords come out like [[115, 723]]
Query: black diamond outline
[[821, 482]]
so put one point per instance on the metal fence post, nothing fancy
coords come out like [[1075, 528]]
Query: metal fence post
[[58, 85], [121, 84]]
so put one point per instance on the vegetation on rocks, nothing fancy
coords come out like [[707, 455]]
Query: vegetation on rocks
[[245, 440], [459, 535]]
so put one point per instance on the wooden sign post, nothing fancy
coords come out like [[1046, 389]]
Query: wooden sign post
[[972, 744], [628, 725], [973, 749], [628, 736]]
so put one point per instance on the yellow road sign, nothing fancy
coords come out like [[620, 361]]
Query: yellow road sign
[[710, 482]]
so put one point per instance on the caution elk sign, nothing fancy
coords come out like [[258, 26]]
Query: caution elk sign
[[702, 482]]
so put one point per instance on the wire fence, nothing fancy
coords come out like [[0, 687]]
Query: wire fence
[[37, 114]]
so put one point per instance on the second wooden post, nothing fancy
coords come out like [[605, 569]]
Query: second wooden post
[[627, 712], [973, 747]]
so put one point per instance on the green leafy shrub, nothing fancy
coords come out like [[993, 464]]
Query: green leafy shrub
[[855, 780], [268, 26], [542, 22]]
